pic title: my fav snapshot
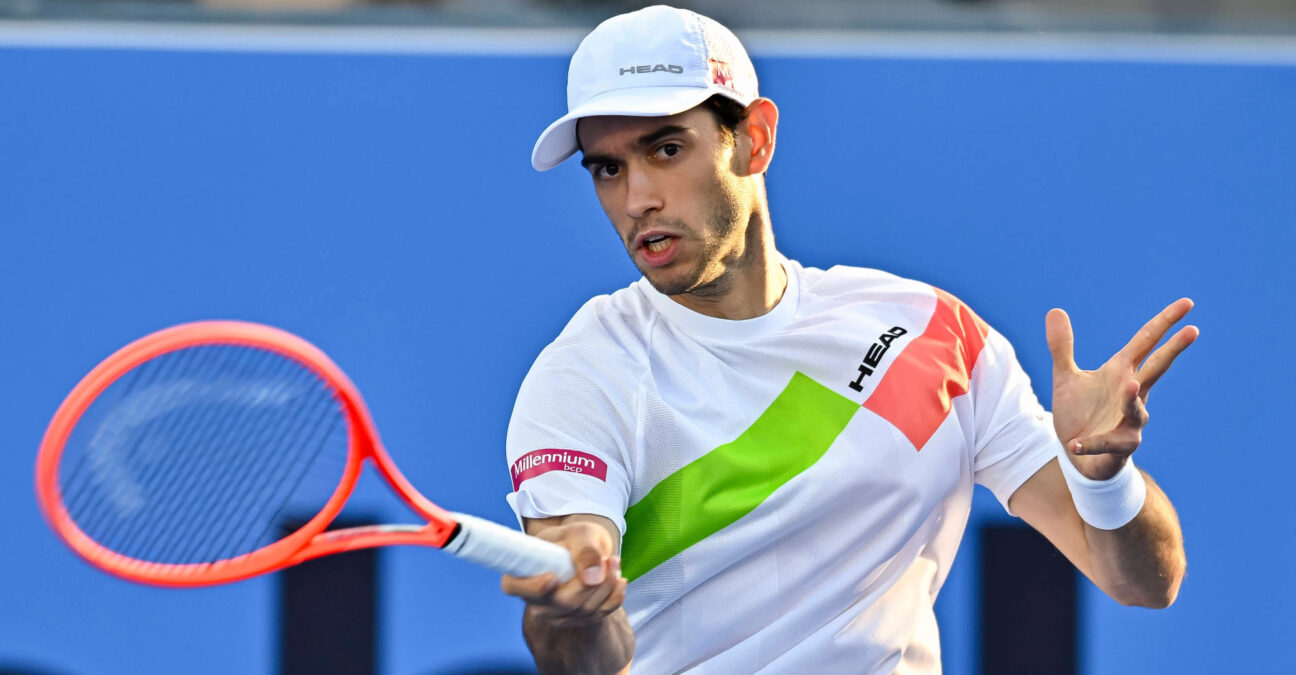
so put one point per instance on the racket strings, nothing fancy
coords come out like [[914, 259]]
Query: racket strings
[[238, 478], [288, 466], [194, 455], [212, 479], [166, 375], [159, 474], [275, 522], [76, 490], [103, 489], [206, 478], [110, 526]]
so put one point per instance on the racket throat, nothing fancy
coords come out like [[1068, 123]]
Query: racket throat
[[371, 536], [454, 534]]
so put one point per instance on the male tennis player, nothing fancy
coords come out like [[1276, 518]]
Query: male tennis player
[[779, 459]]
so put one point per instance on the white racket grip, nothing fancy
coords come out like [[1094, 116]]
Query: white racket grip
[[507, 550]]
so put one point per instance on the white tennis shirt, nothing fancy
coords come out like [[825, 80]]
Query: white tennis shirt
[[791, 489]]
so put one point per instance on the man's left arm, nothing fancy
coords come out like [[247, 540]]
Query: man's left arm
[[1128, 540], [1140, 563]]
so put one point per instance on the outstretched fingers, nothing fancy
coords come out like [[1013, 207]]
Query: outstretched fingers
[[1151, 333], [1061, 340], [1160, 361]]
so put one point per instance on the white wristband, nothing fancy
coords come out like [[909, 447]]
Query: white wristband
[[1105, 504]]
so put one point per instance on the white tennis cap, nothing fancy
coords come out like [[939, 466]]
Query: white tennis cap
[[654, 62]]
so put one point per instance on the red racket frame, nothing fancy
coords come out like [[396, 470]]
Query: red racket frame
[[310, 541]]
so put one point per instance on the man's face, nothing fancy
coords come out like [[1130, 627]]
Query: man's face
[[675, 194]]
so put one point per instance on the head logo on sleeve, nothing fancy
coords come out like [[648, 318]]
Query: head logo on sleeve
[[537, 462]]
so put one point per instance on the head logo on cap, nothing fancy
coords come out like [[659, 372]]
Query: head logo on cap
[[655, 62], [658, 68]]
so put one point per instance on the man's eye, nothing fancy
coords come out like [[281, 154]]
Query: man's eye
[[668, 150], [606, 171]]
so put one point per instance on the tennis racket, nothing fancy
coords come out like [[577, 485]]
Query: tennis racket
[[177, 460]]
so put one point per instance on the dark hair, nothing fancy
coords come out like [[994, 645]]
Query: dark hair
[[729, 113]]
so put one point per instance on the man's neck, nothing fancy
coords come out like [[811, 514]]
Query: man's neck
[[752, 290]]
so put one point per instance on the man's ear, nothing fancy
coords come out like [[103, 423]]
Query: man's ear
[[761, 126]]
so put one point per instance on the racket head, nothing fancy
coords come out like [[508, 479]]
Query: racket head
[[329, 391]]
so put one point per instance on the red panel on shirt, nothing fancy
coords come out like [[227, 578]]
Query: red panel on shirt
[[915, 394]]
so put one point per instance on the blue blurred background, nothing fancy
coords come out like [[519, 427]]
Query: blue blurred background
[[377, 199]]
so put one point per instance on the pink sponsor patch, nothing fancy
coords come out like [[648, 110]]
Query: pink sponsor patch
[[537, 462], [721, 74]]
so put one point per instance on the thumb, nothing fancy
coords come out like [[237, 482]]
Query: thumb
[[1061, 341]]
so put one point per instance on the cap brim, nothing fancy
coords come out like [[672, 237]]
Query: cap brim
[[558, 142]]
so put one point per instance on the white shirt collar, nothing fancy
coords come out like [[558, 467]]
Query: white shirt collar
[[709, 327]]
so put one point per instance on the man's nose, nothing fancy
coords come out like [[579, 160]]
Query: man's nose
[[642, 194]]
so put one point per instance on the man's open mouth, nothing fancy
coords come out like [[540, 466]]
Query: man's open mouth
[[656, 243]]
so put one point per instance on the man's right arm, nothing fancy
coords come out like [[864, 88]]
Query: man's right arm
[[580, 626]]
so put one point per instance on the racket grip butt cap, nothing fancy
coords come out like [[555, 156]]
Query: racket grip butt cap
[[507, 550]]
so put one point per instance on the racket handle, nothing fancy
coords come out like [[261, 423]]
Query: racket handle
[[507, 550]]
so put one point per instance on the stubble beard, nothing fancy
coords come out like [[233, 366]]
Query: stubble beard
[[711, 274]]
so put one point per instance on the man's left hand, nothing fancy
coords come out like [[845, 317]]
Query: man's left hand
[[1099, 415]]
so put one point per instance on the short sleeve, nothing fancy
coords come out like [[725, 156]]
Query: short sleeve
[[1014, 434], [568, 439]]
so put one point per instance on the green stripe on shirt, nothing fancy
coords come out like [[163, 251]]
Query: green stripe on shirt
[[718, 488]]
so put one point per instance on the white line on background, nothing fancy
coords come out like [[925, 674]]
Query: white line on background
[[1062, 46]]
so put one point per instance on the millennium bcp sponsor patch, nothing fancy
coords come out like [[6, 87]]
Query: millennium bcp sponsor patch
[[538, 462]]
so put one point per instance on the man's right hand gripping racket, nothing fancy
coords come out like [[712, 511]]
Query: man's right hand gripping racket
[[178, 459]]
